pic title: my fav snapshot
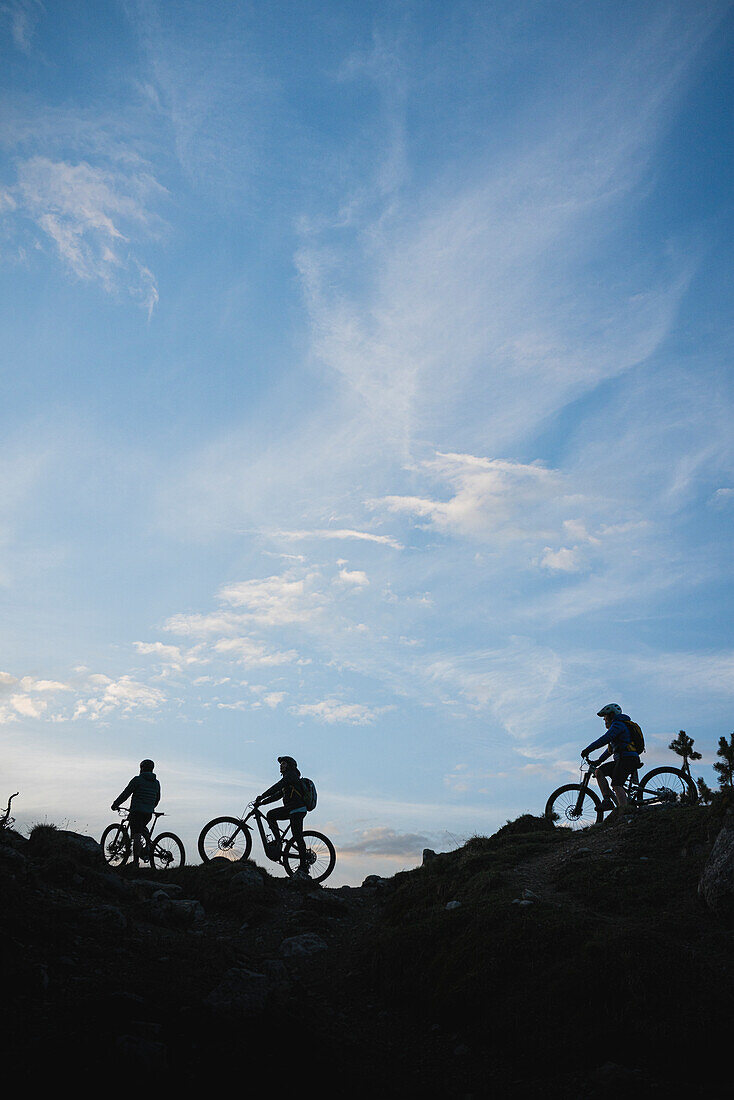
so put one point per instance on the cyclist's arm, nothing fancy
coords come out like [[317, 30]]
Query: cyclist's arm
[[125, 794], [603, 740], [272, 794]]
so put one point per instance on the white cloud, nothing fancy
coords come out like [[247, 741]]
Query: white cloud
[[335, 712], [341, 533], [124, 695], [493, 499], [563, 560], [250, 652], [277, 600], [356, 577], [201, 625], [90, 213], [168, 653], [27, 707]]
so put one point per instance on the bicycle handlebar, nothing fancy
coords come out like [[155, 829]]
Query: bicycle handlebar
[[126, 810]]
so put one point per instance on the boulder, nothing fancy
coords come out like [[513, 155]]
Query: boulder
[[375, 882], [307, 944], [182, 913], [716, 885], [248, 878], [45, 840], [112, 883], [152, 887]]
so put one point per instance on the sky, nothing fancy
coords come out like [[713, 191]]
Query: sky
[[366, 398]]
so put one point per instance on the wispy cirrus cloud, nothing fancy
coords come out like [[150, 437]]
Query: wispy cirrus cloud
[[339, 533], [494, 499], [85, 210], [22, 17], [335, 711]]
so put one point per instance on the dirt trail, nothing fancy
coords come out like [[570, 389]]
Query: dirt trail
[[537, 875]]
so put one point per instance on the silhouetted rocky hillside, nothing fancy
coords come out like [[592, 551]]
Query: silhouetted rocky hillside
[[530, 960]]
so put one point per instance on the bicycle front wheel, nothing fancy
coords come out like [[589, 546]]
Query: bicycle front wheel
[[167, 852], [667, 787], [224, 838], [115, 844], [320, 856], [574, 806]]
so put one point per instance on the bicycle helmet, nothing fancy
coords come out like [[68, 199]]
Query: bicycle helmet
[[287, 760], [146, 765], [609, 710]]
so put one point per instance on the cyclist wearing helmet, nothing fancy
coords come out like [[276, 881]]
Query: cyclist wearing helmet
[[289, 789], [626, 760], [146, 794]]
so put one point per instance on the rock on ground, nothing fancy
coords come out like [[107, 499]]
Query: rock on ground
[[716, 885]]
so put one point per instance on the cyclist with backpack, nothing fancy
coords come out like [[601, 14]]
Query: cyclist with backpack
[[625, 743], [146, 794], [299, 796]]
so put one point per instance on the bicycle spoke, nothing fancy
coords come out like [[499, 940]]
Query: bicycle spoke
[[320, 856], [573, 807], [224, 838]]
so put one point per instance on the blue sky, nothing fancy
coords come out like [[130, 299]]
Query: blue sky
[[366, 397]]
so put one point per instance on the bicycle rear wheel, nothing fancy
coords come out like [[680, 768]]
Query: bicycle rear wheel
[[115, 844], [225, 838], [320, 854], [167, 852], [667, 787], [574, 806]]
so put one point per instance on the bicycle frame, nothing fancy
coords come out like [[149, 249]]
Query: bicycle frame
[[632, 788], [268, 845], [147, 830], [586, 774]]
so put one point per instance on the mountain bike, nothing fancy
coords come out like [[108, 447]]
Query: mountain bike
[[231, 838], [6, 821], [577, 806], [163, 852]]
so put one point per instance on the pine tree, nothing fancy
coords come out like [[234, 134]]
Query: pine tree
[[683, 746], [725, 768], [705, 794]]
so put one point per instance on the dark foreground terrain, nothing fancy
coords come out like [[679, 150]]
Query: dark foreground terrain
[[528, 963]]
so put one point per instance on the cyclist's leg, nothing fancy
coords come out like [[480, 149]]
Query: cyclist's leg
[[602, 774], [140, 836], [273, 817], [297, 820], [623, 768]]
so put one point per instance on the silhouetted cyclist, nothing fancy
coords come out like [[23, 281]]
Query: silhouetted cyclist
[[618, 737], [289, 789], [146, 794]]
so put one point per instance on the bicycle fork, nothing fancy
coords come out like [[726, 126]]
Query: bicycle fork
[[582, 793]]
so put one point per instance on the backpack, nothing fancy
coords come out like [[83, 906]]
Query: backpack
[[308, 789], [637, 738]]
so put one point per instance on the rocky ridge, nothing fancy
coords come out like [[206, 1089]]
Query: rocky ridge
[[510, 961]]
